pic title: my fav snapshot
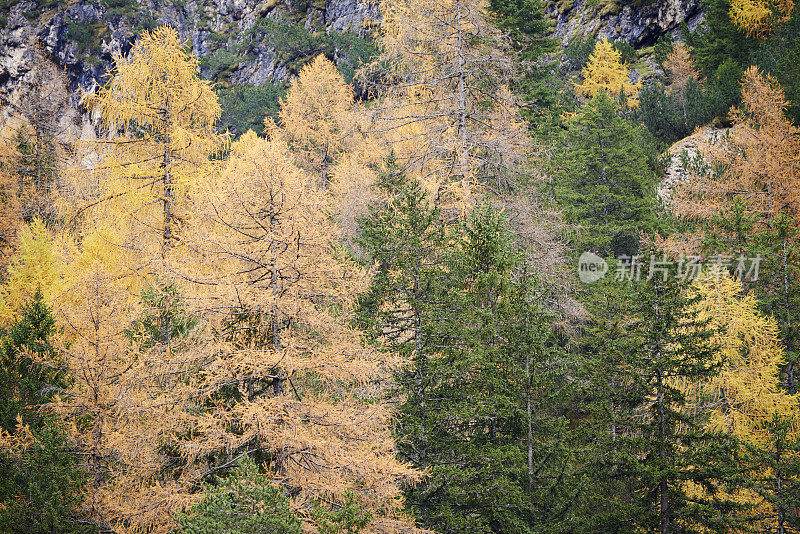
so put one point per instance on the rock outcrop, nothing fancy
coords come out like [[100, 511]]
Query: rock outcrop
[[257, 41], [639, 25], [82, 37]]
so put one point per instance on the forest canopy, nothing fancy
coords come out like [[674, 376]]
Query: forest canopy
[[485, 283]]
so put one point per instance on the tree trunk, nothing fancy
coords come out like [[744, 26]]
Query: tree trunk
[[529, 415], [168, 198], [462, 95], [790, 382], [663, 487]]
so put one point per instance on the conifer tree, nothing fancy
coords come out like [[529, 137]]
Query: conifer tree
[[291, 381], [744, 400], [34, 268], [605, 178], [32, 151], [650, 450], [243, 502], [330, 137], [745, 192], [758, 18], [482, 377], [160, 118], [448, 113], [406, 241], [606, 72], [129, 197], [30, 370], [42, 484], [318, 116]]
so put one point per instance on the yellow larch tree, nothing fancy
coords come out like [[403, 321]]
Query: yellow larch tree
[[449, 69], [34, 266], [758, 18], [34, 125], [299, 385], [11, 209], [743, 399], [329, 136], [745, 393], [756, 164], [160, 118], [317, 114], [681, 68], [129, 402], [746, 190], [605, 71], [31, 147]]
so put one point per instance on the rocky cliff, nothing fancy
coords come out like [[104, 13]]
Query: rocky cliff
[[238, 41], [639, 23], [259, 41]]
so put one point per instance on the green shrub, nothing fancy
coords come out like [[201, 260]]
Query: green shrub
[[348, 518], [88, 35], [244, 107], [578, 51], [626, 51], [662, 49], [245, 502]]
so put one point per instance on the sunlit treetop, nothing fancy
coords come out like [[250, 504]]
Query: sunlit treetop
[[606, 71], [160, 119], [758, 18], [157, 89]]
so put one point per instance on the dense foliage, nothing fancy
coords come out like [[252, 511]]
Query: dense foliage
[[358, 310]]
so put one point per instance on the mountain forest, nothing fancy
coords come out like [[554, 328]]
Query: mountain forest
[[450, 269]]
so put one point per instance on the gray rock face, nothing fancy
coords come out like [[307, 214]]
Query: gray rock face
[[83, 36], [346, 15], [639, 26], [203, 23]]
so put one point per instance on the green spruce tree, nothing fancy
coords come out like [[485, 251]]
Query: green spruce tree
[[656, 467], [605, 176], [480, 389], [245, 502], [42, 485]]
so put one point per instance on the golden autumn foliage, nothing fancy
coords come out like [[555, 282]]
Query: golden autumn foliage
[[681, 69], [745, 393], [448, 115], [317, 113], [34, 266], [605, 71], [757, 163], [743, 399], [31, 149], [329, 136], [758, 18], [11, 207], [205, 307], [305, 379], [161, 119]]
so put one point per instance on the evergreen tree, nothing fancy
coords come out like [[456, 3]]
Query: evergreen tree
[[775, 477], [245, 502], [41, 483], [524, 22], [405, 239], [673, 117], [29, 370], [657, 468], [605, 178], [481, 380], [609, 397]]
